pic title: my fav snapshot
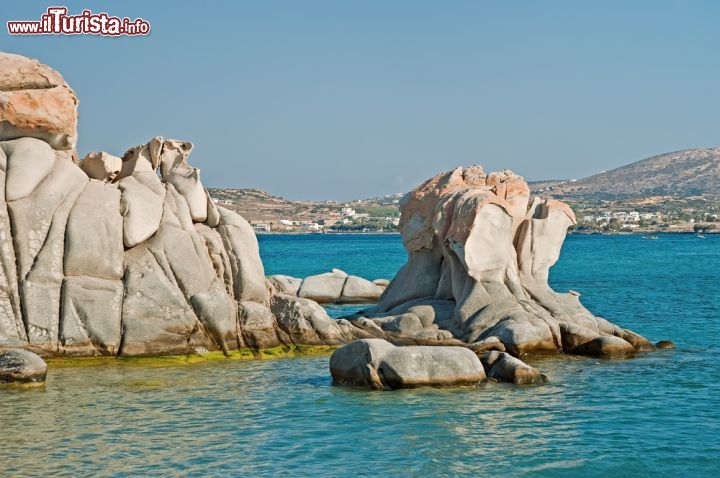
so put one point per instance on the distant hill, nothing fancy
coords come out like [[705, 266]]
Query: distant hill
[[260, 207], [691, 172], [689, 176]]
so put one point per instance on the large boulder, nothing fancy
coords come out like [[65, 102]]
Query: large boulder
[[378, 364], [92, 290], [607, 346], [335, 286], [38, 223], [36, 102], [479, 243], [324, 288], [21, 366]]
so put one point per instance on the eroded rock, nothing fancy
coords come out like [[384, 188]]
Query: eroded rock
[[478, 243], [378, 364]]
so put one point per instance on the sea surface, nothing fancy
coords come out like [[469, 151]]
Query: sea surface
[[654, 415]]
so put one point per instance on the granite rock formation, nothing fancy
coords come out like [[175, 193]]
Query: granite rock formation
[[124, 255], [129, 255], [378, 364], [479, 254], [334, 287]]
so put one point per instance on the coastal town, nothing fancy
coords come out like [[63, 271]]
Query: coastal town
[[276, 215], [273, 214], [649, 215]]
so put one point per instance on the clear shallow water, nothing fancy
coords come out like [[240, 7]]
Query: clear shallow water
[[658, 414]]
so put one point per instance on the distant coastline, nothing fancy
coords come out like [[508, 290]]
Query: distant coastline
[[328, 233], [395, 233]]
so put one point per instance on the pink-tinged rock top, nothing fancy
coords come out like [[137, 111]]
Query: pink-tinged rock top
[[441, 206], [35, 101]]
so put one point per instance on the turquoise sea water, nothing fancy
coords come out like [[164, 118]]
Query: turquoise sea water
[[655, 415]]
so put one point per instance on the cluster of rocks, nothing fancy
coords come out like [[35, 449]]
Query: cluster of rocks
[[476, 285], [129, 255], [334, 287], [124, 255], [378, 364], [479, 253]]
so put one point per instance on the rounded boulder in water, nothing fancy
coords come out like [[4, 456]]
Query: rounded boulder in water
[[22, 366], [665, 344]]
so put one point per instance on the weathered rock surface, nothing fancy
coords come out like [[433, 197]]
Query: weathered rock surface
[[335, 287], [21, 366], [128, 255], [306, 322], [479, 254], [381, 365], [285, 284]]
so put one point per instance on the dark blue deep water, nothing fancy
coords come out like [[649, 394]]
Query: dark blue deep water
[[655, 415]]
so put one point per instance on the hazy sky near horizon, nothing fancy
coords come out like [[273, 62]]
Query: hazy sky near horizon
[[351, 99]]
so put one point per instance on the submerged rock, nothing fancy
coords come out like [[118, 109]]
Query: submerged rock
[[21, 366], [665, 344], [381, 365]]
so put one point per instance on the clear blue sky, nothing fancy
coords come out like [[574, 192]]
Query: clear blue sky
[[349, 99]]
